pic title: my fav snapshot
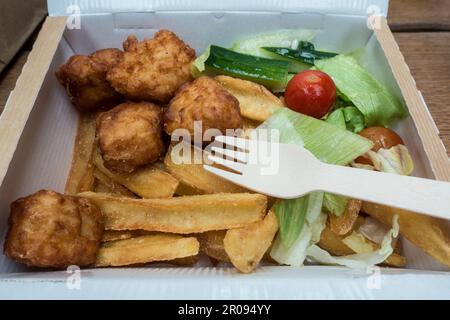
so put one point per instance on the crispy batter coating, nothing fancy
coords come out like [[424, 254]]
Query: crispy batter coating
[[152, 70], [51, 230], [203, 100], [84, 78], [130, 136]]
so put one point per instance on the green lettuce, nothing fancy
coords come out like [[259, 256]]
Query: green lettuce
[[378, 106], [349, 118]]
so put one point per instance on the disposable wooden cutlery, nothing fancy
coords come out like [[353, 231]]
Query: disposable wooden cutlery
[[299, 172]]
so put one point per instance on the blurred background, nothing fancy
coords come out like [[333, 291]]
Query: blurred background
[[421, 28]]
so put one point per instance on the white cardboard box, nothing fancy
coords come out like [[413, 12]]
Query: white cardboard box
[[38, 126]]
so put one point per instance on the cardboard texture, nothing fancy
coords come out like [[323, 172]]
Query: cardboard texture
[[38, 128], [18, 21]]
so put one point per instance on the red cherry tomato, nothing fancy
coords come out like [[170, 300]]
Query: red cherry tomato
[[311, 92], [382, 138]]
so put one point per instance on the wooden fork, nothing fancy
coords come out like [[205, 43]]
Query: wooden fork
[[299, 172]]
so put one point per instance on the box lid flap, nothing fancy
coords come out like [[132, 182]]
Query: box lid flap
[[351, 7]]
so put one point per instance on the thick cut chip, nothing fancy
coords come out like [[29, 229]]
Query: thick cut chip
[[147, 182], [113, 235], [430, 234], [256, 102], [344, 224], [211, 244], [246, 246], [145, 249], [194, 179], [189, 214], [107, 185], [81, 175]]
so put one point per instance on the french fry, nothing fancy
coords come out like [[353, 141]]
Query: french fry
[[147, 182], [430, 234], [145, 249], [81, 175], [335, 245], [246, 246], [185, 262], [211, 244], [113, 235], [190, 214], [194, 179], [344, 224], [108, 185], [256, 102]]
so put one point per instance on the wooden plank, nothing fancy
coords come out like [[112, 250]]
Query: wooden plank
[[426, 129], [427, 55], [419, 15]]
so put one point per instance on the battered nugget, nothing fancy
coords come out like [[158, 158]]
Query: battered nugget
[[51, 230], [203, 100], [152, 70], [84, 78], [130, 136]]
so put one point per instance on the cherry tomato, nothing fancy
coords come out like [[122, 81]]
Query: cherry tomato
[[311, 92], [381, 138]]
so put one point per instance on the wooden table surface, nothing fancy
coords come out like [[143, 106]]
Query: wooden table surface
[[422, 30]]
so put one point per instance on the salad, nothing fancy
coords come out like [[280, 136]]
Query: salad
[[342, 114]]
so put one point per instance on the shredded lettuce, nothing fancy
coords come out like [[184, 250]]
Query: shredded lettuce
[[359, 260], [394, 160], [373, 100], [310, 234]]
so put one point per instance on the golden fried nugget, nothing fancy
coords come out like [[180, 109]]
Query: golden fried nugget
[[84, 78], [152, 70], [129, 136], [203, 100], [51, 230]]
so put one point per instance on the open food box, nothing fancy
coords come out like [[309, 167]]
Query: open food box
[[38, 128]]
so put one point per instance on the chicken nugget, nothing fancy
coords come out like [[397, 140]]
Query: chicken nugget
[[51, 230], [84, 78], [130, 136], [203, 100], [152, 70]]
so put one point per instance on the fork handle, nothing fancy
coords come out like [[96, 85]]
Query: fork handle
[[425, 196]]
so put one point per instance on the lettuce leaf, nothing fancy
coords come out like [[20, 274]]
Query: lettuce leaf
[[349, 118], [327, 142], [373, 100]]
